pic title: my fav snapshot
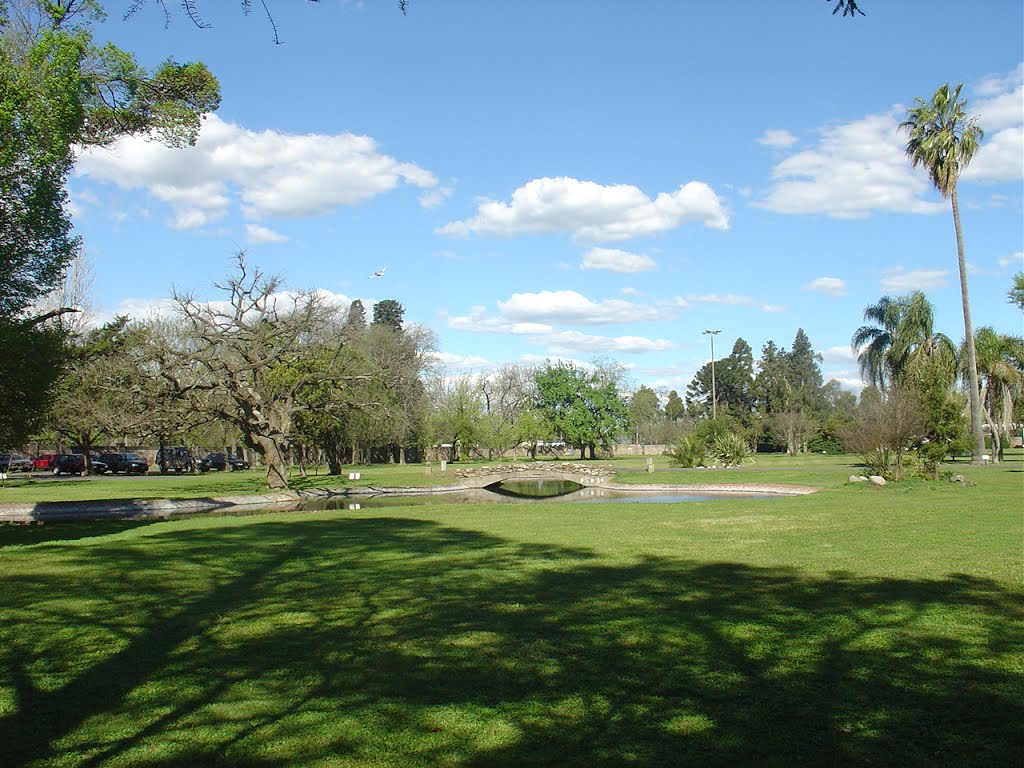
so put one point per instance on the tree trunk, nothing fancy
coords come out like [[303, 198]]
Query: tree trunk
[[977, 430], [277, 472]]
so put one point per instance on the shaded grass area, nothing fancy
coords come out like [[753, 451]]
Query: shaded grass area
[[837, 629]]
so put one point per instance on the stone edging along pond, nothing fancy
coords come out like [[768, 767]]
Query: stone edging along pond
[[154, 509]]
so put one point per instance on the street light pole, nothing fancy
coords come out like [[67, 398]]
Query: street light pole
[[714, 394]]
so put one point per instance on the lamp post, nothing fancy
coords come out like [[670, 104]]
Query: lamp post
[[714, 394]]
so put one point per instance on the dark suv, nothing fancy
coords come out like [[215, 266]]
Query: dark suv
[[174, 460], [222, 462], [74, 464], [129, 463]]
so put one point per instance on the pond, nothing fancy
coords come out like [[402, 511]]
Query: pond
[[525, 492]]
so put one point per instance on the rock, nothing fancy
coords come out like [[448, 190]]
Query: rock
[[958, 479], [857, 479], [876, 480]]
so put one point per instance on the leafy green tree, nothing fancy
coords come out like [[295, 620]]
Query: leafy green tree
[[943, 140], [733, 384], [60, 91], [356, 318], [1016, 294], [675, 408], [390, 313], [455, 420], [103, 392], [644, 414], [32, 357], [507, 395], [585, 409]]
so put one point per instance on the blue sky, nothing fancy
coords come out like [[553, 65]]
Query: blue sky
[[575, 180]]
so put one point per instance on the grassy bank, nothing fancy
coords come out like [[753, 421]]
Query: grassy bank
[[818, 470], [855, 626]]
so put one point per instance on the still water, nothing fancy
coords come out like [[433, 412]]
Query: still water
[[529, 492]]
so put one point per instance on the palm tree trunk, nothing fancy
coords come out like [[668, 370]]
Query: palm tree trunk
[[972, 358]]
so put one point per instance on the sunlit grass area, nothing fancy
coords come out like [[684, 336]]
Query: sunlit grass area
[[814, 469], [855, 626]]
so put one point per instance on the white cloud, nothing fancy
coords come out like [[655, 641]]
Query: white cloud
[[899, 281], [257, 234], [1015, 261], [1001, 114], [856, 168], [1002, 104], [561, 307], [773, 308], [615, 260], [591, 211], [777, 137], [1000, 158], [435, 197], [574, 342], [477, 321], [266, 173], [716, 298], [455, 362], [830, 286], [838, 355]]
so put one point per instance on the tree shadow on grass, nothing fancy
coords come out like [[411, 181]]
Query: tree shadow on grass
[[403, 642], [21, 534]]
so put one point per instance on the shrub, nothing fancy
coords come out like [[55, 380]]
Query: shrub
[[731, 450], [689, 451]]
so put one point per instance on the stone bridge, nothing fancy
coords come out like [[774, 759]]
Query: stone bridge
[[585, 475]]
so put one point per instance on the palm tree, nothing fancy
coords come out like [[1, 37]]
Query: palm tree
[[874, 341], [902, 341], [943, 140], [1001, 368]]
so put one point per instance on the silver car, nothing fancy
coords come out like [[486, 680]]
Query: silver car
[[15, 462]]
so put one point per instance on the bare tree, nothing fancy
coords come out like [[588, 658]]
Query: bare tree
[[243, 360]]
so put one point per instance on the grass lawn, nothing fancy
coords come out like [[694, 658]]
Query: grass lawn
[[855, 626]]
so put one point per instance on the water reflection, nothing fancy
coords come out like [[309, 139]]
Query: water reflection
[[505, 496]]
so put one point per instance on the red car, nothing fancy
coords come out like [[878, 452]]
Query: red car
[[44, 460]]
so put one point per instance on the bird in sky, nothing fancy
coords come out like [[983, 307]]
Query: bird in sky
[[378, 273]]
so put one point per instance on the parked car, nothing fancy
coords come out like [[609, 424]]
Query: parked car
[[74, 464], [222, 462], [44, 461], [15, 462], [129, 463], [175, 460]]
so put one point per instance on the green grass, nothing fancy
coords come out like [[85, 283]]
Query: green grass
[[855, 626], [815, 470]]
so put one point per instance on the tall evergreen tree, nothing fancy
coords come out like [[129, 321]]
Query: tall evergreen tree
[[388, 312]]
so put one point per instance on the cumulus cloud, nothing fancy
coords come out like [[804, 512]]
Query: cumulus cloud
[[574, 342], [860, 167], [1000, 112], [562, 307], [265, 173], [843, 355], [615, 260], [899, 280], [856, 168], [592, 212], [777, 137], [258, 234], [830, 286]]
